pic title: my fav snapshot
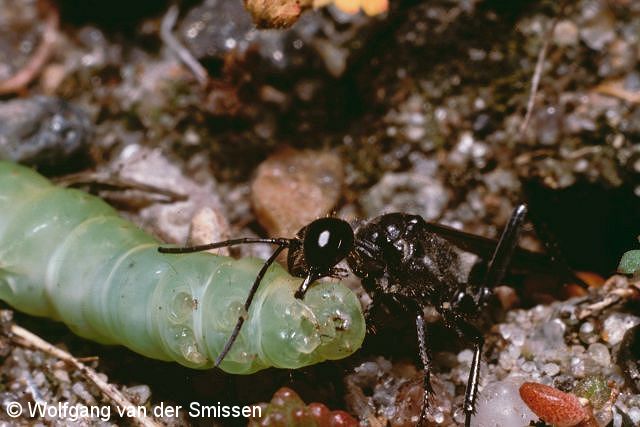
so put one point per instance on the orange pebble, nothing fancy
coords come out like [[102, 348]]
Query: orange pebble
[[552, 405], [594, 280]]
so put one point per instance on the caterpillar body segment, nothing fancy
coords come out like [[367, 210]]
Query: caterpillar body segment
[[67, 255]]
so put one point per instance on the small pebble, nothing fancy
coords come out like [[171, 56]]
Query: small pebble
[[552, 405], [293, 188], [269, 14], [500, 401], [465, 357], [600, 354], [46, 132], [634, 414], [616, 325], [551, 369], [408, 403], [168, 219], [565, 33], [287, 405], [410, 192], [598, 28], [80, 390], [209, 225], [587, 333], [577, 366], [139, 394], [61, 375]]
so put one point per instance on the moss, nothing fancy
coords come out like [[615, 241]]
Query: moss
[[595, 389]]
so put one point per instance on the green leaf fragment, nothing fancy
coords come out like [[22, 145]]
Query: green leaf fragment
[[630, 262]]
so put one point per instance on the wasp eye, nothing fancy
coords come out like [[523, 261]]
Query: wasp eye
[[326, 242]]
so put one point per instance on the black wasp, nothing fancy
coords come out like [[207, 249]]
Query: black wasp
[[404, 258]]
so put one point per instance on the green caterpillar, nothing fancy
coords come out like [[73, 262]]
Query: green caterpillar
[[67, 255]]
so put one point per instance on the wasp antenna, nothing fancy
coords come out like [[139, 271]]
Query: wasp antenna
[[506, 247], [233, 242], [247, 305]]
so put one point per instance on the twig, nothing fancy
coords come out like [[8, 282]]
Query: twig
[[537, 74], [175, 46], [88, 359], [616, 89], [612, 298], [32, 68], [109, 181], [27, 339]]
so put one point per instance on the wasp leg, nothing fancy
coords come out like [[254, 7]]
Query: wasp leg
[[385, 309], [471, 333], [498, 266], [403, 304], [501, 258], [425, 355]]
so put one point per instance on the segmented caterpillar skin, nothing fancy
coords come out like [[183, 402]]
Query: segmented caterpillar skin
[[67, 255]]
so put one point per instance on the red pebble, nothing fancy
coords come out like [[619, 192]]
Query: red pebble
[[552, 405], [342, 419], [320, 413], [287, 397]]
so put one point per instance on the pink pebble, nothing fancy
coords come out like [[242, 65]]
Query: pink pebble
[[552, 405]]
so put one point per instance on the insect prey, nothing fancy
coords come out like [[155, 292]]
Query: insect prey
[[67, 255]]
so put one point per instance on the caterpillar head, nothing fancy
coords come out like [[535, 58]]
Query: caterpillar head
[[326, 325]]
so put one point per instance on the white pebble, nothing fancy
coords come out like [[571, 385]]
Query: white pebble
[[518, 337], [634, 414], [505, 330], [553, 332], [499, 405], [61, 375], [577, 366], [600, 354], [551, 369], [617, 420], [465, 357], [565, 33], [616, 325], [139, 394]]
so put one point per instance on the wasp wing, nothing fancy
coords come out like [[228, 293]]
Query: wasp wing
[[523, 261]]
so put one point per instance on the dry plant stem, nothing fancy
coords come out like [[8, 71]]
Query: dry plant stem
[[175, 46], [616, 89], [110, 181], [537, 75], [34, 65], [614, 297], [27, 339]]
